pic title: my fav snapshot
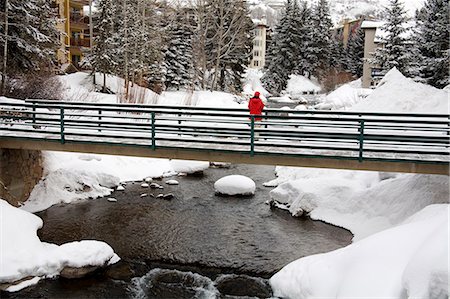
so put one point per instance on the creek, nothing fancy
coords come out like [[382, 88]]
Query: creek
[[196, 245]]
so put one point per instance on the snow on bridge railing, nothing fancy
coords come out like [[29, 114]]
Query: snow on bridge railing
[[359, 136]]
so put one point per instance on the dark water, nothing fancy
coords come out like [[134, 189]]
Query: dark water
[[196, 231]]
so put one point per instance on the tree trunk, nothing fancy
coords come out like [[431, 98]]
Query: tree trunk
[[104, 83], [5, 49]]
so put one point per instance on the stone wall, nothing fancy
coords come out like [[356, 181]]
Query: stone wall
[[20, 171]]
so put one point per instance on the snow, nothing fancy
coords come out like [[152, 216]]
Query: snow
[[70, 177], [399, 221], [344, 97], [23, 254], [253, 83], [396, 93], [186, 166], [407, 260], [172, 182], [235, 185], [299, 85]]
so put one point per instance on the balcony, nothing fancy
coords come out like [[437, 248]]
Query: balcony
[[78, 20], [79, 3], [80, 42]]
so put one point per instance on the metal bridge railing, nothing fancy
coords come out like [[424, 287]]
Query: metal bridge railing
[[422, 138]]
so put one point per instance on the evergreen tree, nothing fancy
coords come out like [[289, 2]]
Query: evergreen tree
[[395, 52], [32, 38], [355, 52], [178, 58], [432, 36], [302, 39], [281, 53], [103, 55], [322, 43]]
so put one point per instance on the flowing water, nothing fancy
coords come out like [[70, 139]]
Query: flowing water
[[197, 244]]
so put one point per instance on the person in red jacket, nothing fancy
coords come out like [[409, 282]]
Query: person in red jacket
[[256, 105]]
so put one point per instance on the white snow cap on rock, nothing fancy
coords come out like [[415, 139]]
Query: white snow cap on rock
[[235, 185], [23, 254]]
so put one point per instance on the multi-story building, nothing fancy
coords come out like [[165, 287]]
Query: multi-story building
[[346, 28], [259, 45], [74, 27], [371, 73]]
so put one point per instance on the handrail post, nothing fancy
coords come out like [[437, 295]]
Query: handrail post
[[34, 113], [179, 123], [252, 135], [63, 140], [153, 131], [361, 140], [99, 120]]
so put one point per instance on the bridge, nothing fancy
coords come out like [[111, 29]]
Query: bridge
[[389, 142]]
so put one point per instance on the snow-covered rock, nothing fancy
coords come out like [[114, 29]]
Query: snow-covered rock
[[120, 188], [235, 185], [172, 182], [144, 185], [111, 199], [24, 255]]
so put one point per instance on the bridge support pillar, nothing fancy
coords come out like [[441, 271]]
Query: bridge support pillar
[[20, 171]]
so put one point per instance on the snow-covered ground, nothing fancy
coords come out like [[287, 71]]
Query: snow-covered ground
[[24, 256], [364, 202], [399, 221]]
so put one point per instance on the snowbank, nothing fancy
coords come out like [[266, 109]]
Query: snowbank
[[24, 255], [70, 177], [344, 97], [299, 85], [393, 256], [187, 166], [235, 185], [409, 260], [252, 83], [396, 93], [363, 202]]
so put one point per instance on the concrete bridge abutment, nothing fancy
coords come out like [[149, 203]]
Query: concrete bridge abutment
[[20, 171]]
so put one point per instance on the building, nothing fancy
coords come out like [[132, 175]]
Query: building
[[371, 73], [346, 28], [258, 60], [74, 27]]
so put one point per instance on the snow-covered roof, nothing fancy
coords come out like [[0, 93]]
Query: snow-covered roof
[[371, 24]]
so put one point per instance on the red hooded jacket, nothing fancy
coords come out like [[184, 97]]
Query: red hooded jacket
[[256, 106]]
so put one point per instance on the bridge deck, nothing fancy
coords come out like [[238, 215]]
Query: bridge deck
[[414, 143]]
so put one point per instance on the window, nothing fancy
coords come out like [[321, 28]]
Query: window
[[256, 53], [256, 63]]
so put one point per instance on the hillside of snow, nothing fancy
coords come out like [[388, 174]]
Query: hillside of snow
[[339, 9]]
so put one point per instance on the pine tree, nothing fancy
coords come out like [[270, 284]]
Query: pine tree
[[322, 43], [432, 36], [355, 52], [178, 58], [281, 53], [103, 55], [32, 38], [395, 52]]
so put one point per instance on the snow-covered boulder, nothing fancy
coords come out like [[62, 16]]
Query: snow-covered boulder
[[235, 185], [300, 85]]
